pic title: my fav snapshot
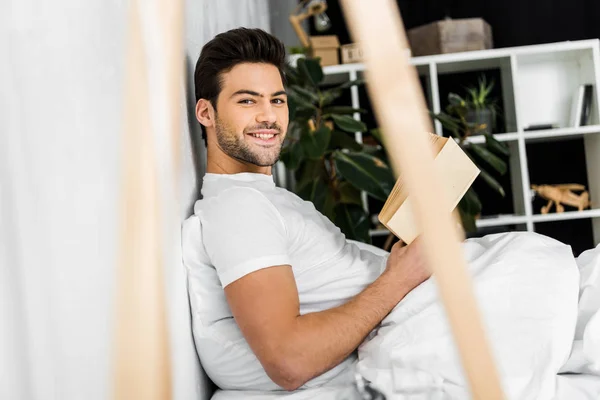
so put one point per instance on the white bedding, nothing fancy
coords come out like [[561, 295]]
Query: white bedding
[[535, 304]]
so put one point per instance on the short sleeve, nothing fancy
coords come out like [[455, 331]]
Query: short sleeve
[[243, 232]]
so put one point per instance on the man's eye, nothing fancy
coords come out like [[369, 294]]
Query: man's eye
[[279, 101], [246, 101]]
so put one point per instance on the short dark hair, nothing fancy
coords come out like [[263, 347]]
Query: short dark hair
[[225, 51]]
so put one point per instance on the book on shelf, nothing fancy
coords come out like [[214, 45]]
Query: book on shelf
[[582, 106], [456, 172]]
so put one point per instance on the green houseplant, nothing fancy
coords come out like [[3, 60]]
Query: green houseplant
[[330, 168], [490, 156], [481, 108]]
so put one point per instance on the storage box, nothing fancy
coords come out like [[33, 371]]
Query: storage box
[[450, 36], [351, 53], [327, 47]]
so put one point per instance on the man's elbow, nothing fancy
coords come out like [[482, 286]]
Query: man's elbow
[[286, 373]]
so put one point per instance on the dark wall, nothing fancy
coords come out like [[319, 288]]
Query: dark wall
[[513, 22]]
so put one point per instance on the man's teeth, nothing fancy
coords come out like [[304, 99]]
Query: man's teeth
[[263, 135]]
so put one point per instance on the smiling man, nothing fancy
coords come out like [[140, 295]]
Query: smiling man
[[280, 298]]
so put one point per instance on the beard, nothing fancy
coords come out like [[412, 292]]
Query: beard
[[235, 145]]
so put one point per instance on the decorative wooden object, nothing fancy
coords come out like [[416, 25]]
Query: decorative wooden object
[[351, 53], [563, 194], [400, 107], [326, 46], [450, 36], [142, 368], [297, 17]]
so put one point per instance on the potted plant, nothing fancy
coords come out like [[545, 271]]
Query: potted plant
[[480, 108], [329, 167], [295, 53], [490, 156]]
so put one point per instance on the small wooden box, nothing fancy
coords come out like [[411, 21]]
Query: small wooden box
[[450, 36], [351, 53], [327, 47]]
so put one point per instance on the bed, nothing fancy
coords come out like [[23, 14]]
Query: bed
[[540, 308]]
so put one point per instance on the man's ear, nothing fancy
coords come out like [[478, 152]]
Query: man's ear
[[205, 113]]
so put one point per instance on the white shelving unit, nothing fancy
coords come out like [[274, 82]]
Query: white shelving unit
[[538, 86]]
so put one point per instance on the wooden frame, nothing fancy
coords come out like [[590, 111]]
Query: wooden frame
[[142, 368], [296, 19], [400, 108]]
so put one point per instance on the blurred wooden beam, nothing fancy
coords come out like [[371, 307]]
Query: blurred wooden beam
[[142, 362], [398, 101]]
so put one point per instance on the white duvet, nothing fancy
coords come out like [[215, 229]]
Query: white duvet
[[527, 286], [540, 308]]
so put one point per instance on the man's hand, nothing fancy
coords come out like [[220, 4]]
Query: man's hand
[[408, 264]]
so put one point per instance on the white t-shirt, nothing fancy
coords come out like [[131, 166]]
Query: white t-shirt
[[244, 223]]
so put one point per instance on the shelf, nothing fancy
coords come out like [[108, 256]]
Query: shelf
[[422, 68], [532, 136], [501, 220], [594, 213], [501, 137], [379, 232], [560, 133], [537, 85], [480, 58]]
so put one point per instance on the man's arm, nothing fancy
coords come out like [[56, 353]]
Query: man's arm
[[295, 348]]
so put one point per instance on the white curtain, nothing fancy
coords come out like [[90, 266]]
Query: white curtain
[[61, 86]]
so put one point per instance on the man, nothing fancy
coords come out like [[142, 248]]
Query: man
[[280, 299]]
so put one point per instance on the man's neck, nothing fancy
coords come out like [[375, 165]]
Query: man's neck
[[218, 165]]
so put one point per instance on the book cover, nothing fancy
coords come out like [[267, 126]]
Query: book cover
[[456, 172]]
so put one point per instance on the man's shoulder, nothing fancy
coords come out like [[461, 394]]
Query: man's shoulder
[[232, 197], [239, 205]]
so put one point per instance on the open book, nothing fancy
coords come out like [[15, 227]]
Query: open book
[[456, 172]]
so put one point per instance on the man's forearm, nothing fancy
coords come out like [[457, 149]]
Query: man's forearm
[[320, 341]]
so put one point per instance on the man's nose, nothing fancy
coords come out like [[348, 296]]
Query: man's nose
[[266, 114]]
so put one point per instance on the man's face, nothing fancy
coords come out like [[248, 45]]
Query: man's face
[[252, 114]]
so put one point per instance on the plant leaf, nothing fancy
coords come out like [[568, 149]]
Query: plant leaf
[[292, 155], [456, 100], [349, 194], [492, 182], [310, 69], [328, 96], [467, 220], [315, 143], [348, 84], [489, 158], [495, 146], [329, 206], [309, 171], [342, 110], [314, 191], [342, 140], [470, 202], [449, 122], [308, 95], [299, 99], [303, 114], [376, 133], [353, 221], [366, 173], [348, 124]]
